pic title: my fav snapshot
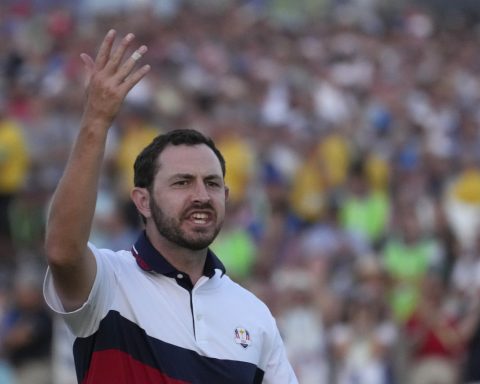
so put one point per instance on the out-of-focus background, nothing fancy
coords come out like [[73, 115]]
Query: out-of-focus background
[[351, 130]]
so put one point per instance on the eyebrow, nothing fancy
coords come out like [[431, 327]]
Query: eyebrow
[[189, 176]]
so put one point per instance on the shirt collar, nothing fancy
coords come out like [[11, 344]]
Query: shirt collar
[[149, 259]]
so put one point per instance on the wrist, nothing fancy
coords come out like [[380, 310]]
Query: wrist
[[94, 123]]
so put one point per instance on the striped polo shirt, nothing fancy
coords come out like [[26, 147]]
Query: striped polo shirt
[[144, 322]]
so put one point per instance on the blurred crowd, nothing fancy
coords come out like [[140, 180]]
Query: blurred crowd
[[351, 131]]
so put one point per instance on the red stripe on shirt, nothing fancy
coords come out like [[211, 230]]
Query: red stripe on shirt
[[112, 366]]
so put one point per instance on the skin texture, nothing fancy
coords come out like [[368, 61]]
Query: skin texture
[[109, 78]]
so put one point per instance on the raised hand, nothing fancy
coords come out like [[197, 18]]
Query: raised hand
[[109, 78]]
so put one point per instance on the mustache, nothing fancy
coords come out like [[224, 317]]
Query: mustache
[[198, 206]]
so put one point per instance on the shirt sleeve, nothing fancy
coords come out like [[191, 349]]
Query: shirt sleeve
[[85, 320], [277, 367]]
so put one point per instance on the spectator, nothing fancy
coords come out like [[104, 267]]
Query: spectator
[[27, 329], [462, 200], [365, 212], [13, 173], [434, 336], [408, 255], [362, 344], [236, 244]]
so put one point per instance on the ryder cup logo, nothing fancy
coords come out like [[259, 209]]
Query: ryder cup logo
[[242, 337]]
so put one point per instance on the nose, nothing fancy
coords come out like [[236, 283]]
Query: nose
[[200, 192]]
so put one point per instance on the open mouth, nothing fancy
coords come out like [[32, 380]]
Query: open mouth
[[200, 218]]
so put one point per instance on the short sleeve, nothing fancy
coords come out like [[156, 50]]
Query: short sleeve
[[84, 321]]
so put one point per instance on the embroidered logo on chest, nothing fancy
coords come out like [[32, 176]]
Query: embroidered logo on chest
[[242, 337]]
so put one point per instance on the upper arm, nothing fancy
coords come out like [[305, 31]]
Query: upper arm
[[73, 282], [83, 313]]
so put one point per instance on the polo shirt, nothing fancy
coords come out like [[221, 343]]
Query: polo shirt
[[144, 322]]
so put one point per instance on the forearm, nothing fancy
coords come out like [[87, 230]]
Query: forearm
[[73, 205]]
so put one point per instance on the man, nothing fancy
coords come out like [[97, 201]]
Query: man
[[164, 312]]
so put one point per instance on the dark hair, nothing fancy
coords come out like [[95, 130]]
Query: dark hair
[[146, 165]]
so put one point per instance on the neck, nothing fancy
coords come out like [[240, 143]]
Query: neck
[[185, 260]]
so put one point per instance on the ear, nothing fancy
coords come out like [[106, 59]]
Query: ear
[[141, 199], [227, 193]]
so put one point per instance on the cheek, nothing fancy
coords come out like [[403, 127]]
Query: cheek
[[168, 204], [220, 208]]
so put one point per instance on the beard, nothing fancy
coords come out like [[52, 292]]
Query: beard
[[170, 228]]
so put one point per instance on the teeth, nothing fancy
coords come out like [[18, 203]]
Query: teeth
[[200, 218]]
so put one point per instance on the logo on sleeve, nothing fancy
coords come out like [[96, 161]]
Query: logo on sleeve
[[242, 337]]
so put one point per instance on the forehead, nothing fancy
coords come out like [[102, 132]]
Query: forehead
[[188, 159]]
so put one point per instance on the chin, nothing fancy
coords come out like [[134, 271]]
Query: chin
[[198, 246], [200, 243]]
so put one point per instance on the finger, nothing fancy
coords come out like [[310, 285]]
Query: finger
[[88, 61], [134, 78], [117, 55], [105, 49], [89, 67], [127, 67]]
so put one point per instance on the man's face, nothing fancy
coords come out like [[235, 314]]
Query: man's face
[[188, 200]]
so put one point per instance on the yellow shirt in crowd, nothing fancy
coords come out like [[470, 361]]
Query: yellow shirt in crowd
[[467, 187], [13, 157], [239, 157], [129, 146]]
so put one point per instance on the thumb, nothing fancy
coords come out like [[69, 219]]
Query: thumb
[[87, 60], [89, 67]]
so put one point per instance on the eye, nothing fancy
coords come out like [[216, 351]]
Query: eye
[[213, 184], [180, 183]]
